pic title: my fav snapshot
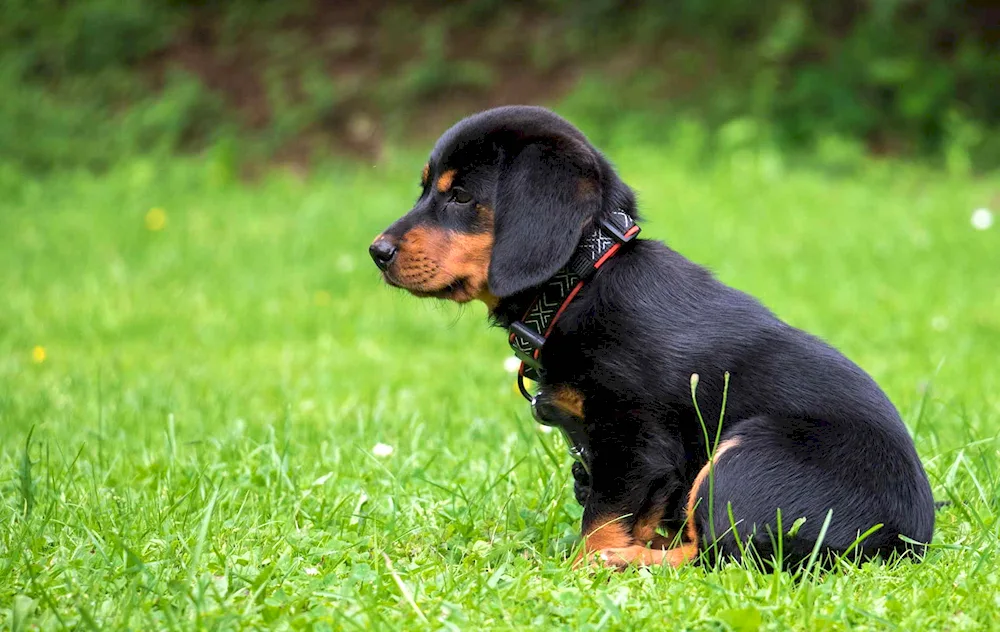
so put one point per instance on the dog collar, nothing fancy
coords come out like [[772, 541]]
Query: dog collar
[[528, 335]]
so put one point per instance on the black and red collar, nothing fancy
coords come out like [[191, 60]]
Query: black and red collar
[[528, 335]]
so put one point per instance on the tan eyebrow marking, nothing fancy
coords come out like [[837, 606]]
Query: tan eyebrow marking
[[425, 174], [445, 180]]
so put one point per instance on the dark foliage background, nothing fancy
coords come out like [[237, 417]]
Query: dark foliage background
[[89, 82]]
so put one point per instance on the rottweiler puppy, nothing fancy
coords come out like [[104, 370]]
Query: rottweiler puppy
[[704, 416]]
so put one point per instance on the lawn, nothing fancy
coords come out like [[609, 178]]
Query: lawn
[[195, 372]]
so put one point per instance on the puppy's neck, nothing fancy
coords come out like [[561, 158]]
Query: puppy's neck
[[505, 311], [510, 309]]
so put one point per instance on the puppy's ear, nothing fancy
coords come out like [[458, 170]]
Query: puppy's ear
[[545, 195]]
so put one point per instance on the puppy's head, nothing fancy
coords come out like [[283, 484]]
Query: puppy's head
[[504, 199]]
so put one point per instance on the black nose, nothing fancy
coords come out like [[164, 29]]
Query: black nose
[[383, 252]]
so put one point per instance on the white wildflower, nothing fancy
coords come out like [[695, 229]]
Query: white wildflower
[[511, 365], [982, 219]]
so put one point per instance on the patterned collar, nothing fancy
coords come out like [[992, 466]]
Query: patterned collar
[[527, 336]]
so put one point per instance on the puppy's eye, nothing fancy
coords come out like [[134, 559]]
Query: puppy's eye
[[460, 195]]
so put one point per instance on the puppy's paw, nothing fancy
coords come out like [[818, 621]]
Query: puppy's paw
[[622, 558]]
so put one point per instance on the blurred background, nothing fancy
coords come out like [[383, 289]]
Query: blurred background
[[86, 83]]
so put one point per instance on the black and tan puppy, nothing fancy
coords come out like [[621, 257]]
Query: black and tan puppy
[[508, 198]]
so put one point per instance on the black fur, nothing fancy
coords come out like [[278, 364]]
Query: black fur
[[539, 215], [815, 431]]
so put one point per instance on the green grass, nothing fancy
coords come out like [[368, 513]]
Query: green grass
[[195, 449]]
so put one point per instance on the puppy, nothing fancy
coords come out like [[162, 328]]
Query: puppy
[[636, 354]]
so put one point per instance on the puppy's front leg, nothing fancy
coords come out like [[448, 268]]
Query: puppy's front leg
[[610, 538], [620, 518]]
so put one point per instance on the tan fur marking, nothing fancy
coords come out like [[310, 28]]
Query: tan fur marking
[[426, 173], [568, 400], [644, 531], [691, 530], [445, 180], [469, 259], [603, 532], [416, 268], [431, 259], [606, 532], [484, 295]]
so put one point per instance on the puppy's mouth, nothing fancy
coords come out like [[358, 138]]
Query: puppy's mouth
[[456, 290]]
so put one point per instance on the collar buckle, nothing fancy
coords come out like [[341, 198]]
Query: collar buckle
[[526, 343], [615, 231]]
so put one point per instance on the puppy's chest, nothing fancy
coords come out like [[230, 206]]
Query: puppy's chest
[[568, 408], [632, 425]]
